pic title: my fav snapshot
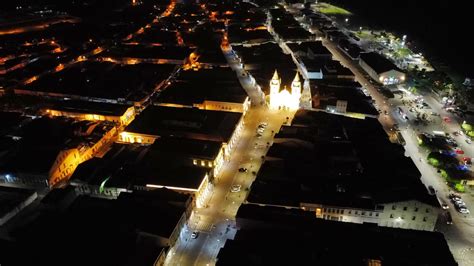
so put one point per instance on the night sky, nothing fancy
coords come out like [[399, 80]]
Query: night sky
[[444, 27]]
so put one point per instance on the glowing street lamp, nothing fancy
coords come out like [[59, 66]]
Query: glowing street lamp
[[347, 20]]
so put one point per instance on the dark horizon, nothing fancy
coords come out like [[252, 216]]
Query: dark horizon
[[437, 27]]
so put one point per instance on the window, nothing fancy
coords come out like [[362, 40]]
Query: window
[[424, 219], [405, 208], [203, 163], [370, 213], [357, 212], [363, 213], [377, 214], [416, 209], [209, 164], [342, 211], [391, 215], [403, 217], [350, 212], [195, 162], [413, 218], [393, 207], [427, 210]]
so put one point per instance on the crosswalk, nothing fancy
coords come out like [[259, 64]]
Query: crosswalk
[[201, 226]]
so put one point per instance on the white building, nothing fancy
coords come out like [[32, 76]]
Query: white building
[[410, 214]]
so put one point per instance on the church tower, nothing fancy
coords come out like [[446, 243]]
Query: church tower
[[296, 91], [296, 87], [275, 84]]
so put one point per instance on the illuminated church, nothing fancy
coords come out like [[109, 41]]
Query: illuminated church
[[284, 99]]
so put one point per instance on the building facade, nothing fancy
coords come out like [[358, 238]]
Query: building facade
[[410, 214]]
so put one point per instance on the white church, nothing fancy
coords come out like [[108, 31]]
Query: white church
[[284, 99]]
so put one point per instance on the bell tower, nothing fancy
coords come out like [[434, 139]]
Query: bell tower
[[275, 84], [296, 91]]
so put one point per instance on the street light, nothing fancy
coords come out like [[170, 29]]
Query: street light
[[347, 20]]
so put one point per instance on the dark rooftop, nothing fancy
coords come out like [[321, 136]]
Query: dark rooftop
[[317, 48], [11, 197], [189, 123], [195, 87], [190, 148], [264, 229], [378, 63], [103, 80], [329, 159], [86, 107]]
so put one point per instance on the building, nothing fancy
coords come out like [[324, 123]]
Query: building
[[122, 115], [13, 200], [182, 165], [284, 99], [190, 123], [381, 69], [328, 165], [137, 228], [49, 150], [215, 89], [279, 236]]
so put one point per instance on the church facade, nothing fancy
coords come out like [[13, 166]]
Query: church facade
[[284, 98]]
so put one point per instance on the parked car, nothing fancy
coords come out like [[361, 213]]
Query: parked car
[[194, 235], [243, 169], [443, 203], [235, 188], [431, 190], [468, 141], [449, 219]]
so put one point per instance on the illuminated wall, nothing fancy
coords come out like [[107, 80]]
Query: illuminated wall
[[129, 137], [123, 119], [68, 160], [407, 214]]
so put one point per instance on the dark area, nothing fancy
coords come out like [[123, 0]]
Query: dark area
[[440, 29]]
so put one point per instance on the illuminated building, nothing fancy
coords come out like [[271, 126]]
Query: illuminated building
[[48, 155], [92, 111], [190, 123], [284, 99], [381, 69]]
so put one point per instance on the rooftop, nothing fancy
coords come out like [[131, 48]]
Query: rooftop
[[189, 123], [195, 87], [378, 63], [103, 80], [11, 197], [330, 159], [86, 107], [317, 48], [264, 229]]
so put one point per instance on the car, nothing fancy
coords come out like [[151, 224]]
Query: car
[[459, 151], [194, 235], [449, 219], [243, 169], [462, 209], [468, 141], [459, 203], [235, 188], [444, 205], [431, 190]]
